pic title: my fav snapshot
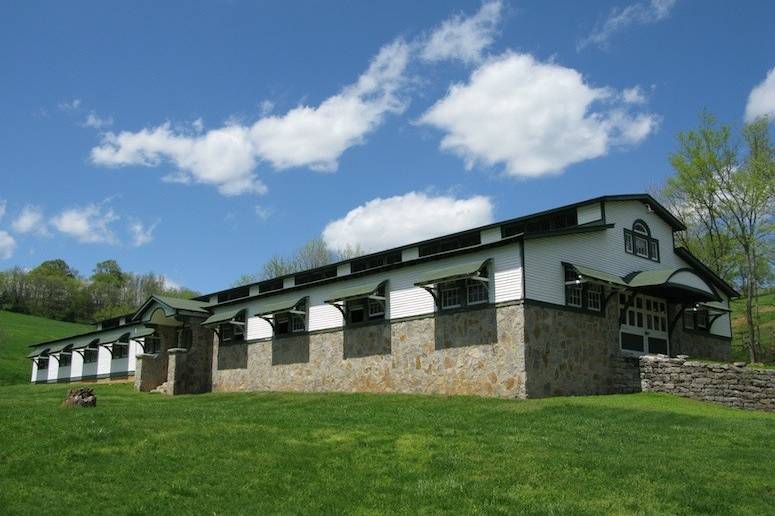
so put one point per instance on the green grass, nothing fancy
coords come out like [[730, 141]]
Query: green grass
[[767, 327], [332, 453], [17, 331]]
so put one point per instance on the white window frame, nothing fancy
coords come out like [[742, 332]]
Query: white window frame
[[595, 292], [477, 286], [573, 291], [452, 286]]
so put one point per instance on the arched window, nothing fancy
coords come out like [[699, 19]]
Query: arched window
[[638, 241]]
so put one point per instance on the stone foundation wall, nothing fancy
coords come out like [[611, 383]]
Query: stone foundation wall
[[190, 370], [698, 345], [476, 352], [151, 370], [728, 384], [571, 352]]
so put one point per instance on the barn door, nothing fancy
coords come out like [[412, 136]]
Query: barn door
[[644, 329]]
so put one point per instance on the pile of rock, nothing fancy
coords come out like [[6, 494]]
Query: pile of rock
[[82, 397]]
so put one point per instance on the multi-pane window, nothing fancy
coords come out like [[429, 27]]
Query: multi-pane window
[[120, 350], [594, 297], [152, 344], [450, 295], [465, 292], [588, 296], [65, 359], [638, 241], [573, 295], [232, 331], [366, 308], [697, 319], [476, 292], [89, 355], [294, 321], [42, 363]]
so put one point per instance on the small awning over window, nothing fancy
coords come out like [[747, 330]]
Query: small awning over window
[[366, 289], [285, 304], [591, 274], [714, 307], [684, 280], [223, 317], [138, 332], [62, 346], [86, 342], [38, 352], [454, 272]]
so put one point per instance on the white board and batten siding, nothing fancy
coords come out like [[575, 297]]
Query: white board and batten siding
[[602, 250], [404, 298]]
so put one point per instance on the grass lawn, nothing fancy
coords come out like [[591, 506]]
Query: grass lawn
[[17, 332], [300, 453]]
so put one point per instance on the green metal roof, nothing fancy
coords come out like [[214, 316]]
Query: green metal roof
[[184, 304], [285, 304], [38, 352], [714, 305], [651, 278], [85, 342], [459, 271], [363, 289], [222, 317], [605, 277]]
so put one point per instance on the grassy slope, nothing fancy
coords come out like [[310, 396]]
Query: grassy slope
[[767, 318], [311, 453], [17, 331]]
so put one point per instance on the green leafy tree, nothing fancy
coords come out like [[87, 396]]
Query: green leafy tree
[[726, 198]]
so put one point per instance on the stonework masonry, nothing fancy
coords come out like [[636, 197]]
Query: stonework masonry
[[475, 352], [728, 384]]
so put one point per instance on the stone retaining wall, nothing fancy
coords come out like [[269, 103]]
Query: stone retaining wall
[[728, 384], [477, 351]]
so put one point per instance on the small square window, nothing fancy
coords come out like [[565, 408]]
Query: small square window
[[573, 295], [120, 350], [297, 323], [64, 360], [477, 292], [89, 356], [450, 295], [376, 308], [152, 344], [42, 363], [701, 318], [594, 298]]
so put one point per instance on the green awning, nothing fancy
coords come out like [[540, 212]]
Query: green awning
[[364, 289], [38, 352], [223, 317], [86, 342], [56, 348], [455, 272], [284, 304], [715, 307], [595, 275], [139, 332], [681, 279]]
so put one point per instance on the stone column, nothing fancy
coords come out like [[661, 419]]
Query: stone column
[[176, 371]]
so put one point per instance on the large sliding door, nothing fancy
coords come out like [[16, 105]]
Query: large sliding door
[[644, 329]]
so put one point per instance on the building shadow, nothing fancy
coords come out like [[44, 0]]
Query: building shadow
[[367, 340], [233, 356], [463, 328], [290, 350]]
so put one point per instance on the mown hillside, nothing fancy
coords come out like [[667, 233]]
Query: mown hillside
[[17, 331]]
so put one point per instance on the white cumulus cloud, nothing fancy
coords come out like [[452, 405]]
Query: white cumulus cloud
[[619, 19], [463, 38], [30, 220], [761, 100], [403, 219], [306, 136], [7, 245], [532, 117], [141, 234], [88, 224]]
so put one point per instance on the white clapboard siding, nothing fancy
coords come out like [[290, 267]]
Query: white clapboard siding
[[76, 365], [589, 213], [601, 250], [404, 298]]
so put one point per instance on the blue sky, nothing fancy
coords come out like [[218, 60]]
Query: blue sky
[[196, 139]]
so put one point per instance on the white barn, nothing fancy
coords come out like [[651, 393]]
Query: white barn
[[547, 304]]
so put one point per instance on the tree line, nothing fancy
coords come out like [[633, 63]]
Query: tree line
[[56, 290]]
